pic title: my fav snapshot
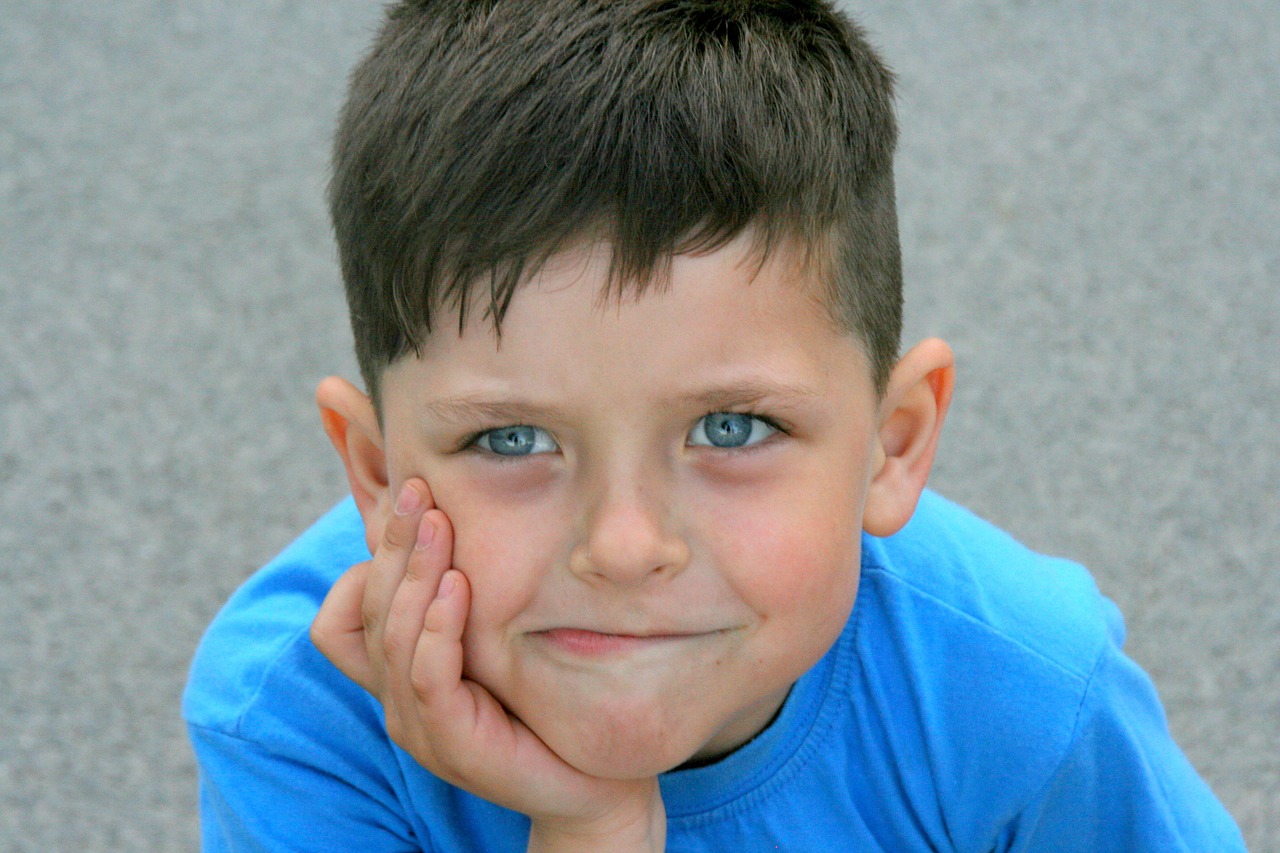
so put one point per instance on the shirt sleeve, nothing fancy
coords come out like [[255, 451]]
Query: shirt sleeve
[[253, 798], [291, 754], [1124, 784]]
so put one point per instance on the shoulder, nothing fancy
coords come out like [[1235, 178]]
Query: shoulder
[[288, 747], [948, 561], [262, 632], [973, 659]]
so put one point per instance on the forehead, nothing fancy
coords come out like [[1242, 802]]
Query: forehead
[[726, 315], [627, 273]]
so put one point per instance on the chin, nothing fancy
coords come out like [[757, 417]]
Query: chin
[[634, 762], [619, 746]]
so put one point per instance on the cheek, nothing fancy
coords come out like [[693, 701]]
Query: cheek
[[494, 518], [505, 541], [793, 553]]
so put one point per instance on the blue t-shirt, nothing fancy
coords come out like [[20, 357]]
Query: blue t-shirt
[[977, 700]]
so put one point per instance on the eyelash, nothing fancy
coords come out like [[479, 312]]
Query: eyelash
[[772, 423], [470, 442]]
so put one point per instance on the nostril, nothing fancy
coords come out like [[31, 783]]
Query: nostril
[[626, 545]]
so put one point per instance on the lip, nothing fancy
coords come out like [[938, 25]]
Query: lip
[[587, 643]]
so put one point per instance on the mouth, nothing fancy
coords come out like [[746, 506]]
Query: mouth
[[585, 643]]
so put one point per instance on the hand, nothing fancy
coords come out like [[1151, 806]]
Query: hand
[[394, 626]]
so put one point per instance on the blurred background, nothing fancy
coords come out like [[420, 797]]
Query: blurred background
[[1090, 204]]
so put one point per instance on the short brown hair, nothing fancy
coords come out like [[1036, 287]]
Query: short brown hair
[[479, 137]]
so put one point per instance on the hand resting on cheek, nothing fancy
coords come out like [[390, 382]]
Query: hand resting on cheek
[[394, 626]]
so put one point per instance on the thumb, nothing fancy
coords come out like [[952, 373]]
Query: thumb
[[338, 629]]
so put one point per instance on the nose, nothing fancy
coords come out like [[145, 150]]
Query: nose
[[629, 536]]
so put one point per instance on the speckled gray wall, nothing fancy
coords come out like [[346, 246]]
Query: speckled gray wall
[[1090, 200]]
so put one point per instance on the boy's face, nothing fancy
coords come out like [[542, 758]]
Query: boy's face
[[657, 503]]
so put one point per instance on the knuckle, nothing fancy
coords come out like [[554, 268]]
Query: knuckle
[[397, 535], [319, 635], [370, 619], [395, 730], [392, 647], [414, 570], [462, 765], [421, 684]]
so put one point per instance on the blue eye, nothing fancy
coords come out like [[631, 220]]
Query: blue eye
[[730, 430], [516, 441]]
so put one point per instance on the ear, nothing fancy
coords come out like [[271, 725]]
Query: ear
[[911, 415], [352, 426]]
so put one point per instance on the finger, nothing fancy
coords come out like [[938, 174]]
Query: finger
[[471, 740], [435, 675], [465, 736], [399, 535], [431, 558], [433, 692], [338, 629]]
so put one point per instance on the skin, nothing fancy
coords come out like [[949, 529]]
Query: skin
[[551, 631]]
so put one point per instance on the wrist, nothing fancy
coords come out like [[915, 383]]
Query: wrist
[[640, 830], [634, 839]]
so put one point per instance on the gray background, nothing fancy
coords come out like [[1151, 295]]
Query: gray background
[[1089, 196]]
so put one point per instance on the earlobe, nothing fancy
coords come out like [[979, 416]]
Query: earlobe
[[911, 416], [352, 426]]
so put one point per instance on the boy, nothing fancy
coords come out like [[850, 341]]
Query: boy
[[642, 478]]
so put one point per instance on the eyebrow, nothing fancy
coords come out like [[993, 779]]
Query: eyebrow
[[749, 392], [466, 408]]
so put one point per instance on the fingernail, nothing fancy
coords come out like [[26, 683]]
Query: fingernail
[[448, 584], [426, 532], [409, 500]]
